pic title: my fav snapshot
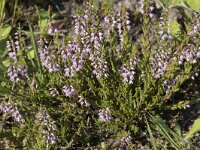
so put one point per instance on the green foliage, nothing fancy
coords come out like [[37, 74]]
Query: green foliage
[[195, 128], [97, 84], [43, 22], [2, 12], [5, 31], [168, 3], [174, 138], [36, 52], [174, 6], [151, 136], [192, 4]]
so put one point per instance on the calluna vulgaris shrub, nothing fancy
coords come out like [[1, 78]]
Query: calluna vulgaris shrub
[[97, 84]]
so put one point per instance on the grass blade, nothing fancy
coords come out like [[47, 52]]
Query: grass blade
[[195, 128], [151, 136], [164, 131], [39, 66]]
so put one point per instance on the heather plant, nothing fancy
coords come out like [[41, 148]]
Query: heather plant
[[98, 84]]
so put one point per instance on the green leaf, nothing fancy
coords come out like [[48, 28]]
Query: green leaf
[[2, 67], [195, 128], [2, 47], [31, 54], [6, 62], [169, 3], [5, 31], [5, 80], [4, 91], [39, 65], [193, 4]]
